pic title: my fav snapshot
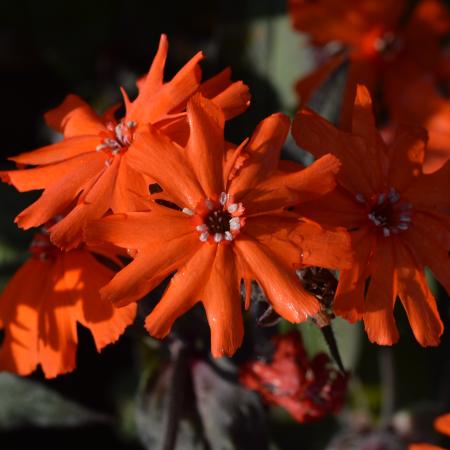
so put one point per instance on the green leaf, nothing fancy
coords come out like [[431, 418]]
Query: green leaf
[[28, 403]]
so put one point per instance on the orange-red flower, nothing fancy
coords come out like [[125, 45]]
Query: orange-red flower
[[393, 54], [230, 223], [395, 215], [42, 303], [87, 173], [441, 424], [309, 389]]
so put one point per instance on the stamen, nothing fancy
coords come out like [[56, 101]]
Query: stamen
[[204, 236], [201, 227], [228, 236], [223, 198], [235, 223], [218, 237], [233, 208], [360, 198], [188, 211]]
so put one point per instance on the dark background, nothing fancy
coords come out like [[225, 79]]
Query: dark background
[[51, 48]]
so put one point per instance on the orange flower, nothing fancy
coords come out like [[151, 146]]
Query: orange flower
[[394, 214], [41, 305], [397, 56], [230, 223], [441, 424], [87, 173]]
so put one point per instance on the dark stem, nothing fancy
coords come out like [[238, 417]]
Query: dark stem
[[387, 374], [176, 395], [328, 334]]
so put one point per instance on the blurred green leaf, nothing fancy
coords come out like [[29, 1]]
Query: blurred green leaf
[[28, 403], [233, 417]]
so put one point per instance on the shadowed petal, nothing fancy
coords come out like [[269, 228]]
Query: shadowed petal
[[417, 299], [184, 291], [379, 305]]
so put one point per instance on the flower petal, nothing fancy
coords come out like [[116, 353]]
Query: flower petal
[[349, 298], [205, 148], [149, 268], [359, 159], [74, 117], [65, 149], [83, 278], [222, 302], [153, 103], [406, 157], [19, 309], [264, 150], [232, 97], [138, 230], [67, 233], [159, 158], [289, 189], [417, 299], [184, 291], [62, 190], [278, 280], [379, 305]]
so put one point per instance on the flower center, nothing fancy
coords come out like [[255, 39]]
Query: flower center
[[218, 221], [388, 213], [119, 138], [381, 44]]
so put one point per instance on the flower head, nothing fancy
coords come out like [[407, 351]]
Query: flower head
[[308, 389], [44, 300], [88, 173], [396, 216], [227, 221], [390, 49]]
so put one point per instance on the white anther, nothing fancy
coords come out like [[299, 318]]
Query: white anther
[[118, 131], [360, 198], [201, 227], [386, 232], [228, 236], [204, 236], [235, 223], [223, 198], [100, 147], [131, 124], [111, 143], [188, 211], [209, 204], [233, 208], [218, 237], [405, 218], [115, 151], [403, 226], [393, 196], [381, 198]]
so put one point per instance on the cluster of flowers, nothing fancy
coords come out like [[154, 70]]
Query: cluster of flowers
[[163, 187]]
